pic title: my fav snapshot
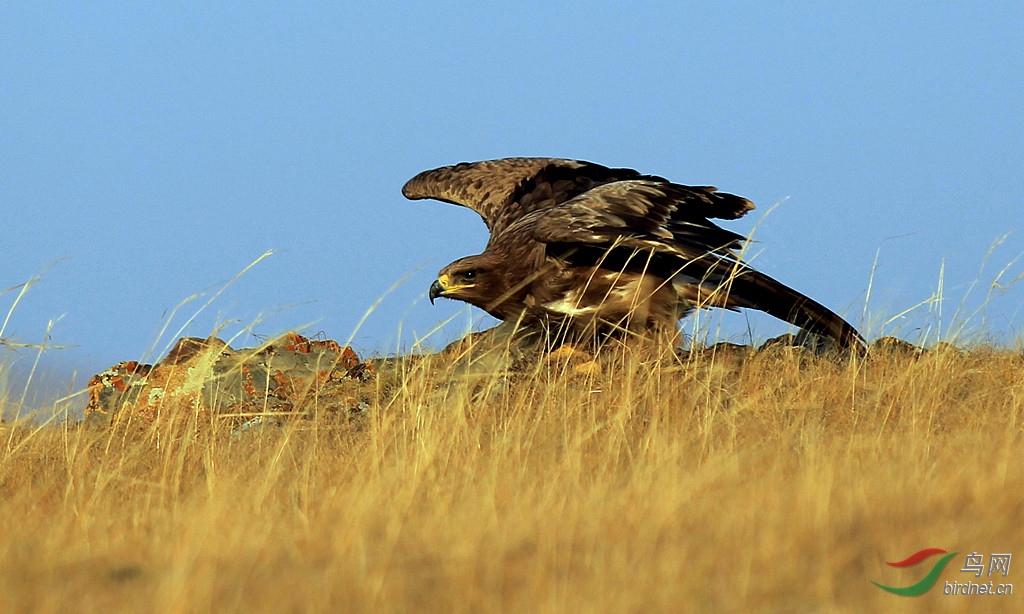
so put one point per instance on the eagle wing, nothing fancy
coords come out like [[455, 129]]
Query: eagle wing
[[504, 191], [645, 213]]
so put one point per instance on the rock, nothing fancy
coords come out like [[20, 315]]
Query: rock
[[893, 345], [289, 376]]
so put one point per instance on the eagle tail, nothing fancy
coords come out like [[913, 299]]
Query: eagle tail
[[754, 290]]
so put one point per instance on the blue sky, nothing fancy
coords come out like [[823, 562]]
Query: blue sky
[[150, 153]]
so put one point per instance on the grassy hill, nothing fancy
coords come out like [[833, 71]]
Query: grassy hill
[[722, 481]]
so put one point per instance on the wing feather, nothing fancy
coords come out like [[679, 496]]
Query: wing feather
[[503, 191], [485, 187], [644, 213]]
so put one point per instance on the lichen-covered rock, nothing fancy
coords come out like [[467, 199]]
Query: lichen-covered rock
[[289, 376], [891, 345]]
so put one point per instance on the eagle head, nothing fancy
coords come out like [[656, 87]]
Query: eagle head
[[472, 279]]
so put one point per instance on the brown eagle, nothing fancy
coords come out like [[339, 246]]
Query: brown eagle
[[584, 250]]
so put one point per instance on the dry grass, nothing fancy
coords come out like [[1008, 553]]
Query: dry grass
[[780, 483]]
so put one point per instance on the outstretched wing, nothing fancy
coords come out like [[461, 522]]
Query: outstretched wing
[[644, 214], [503, 191]]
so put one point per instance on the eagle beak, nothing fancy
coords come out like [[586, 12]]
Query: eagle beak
[[443, 286], [440, 286], [435, 291]]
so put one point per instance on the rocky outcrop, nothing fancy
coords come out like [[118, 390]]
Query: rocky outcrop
[[289, 376], [293, 376]]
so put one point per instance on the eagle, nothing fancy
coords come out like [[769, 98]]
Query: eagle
[[585, 251]]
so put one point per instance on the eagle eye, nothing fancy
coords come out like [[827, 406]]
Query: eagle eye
[[469, 274]]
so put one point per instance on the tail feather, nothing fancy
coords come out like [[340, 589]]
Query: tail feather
[[754, 290]]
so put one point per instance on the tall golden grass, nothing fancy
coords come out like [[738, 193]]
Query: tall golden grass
[[769, 481]]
